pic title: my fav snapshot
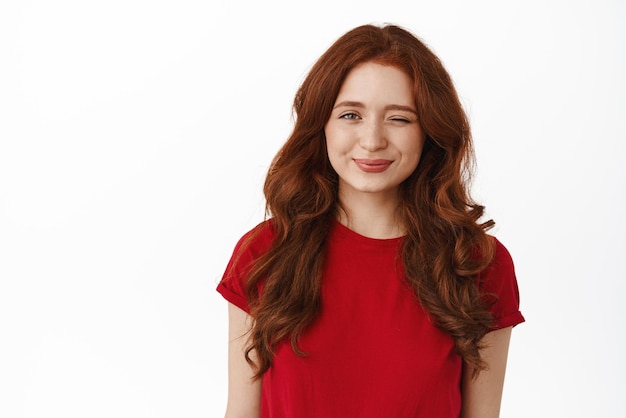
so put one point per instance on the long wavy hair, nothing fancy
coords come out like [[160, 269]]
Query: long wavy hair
[[446, 245]]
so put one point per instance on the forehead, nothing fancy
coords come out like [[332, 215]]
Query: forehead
[[373, 82]]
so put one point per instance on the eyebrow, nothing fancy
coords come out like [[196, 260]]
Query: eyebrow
[[349, 103]]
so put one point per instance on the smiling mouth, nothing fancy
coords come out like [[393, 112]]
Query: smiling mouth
[[372, 166]]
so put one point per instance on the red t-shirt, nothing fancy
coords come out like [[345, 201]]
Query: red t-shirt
[[373, 351]]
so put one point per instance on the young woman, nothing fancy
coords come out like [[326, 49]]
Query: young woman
[[372, 290]]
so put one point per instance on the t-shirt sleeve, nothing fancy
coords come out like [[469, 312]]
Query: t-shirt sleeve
[[247, 250], [499, 283]]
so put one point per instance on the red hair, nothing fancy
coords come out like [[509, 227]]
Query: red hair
[[445, 246]]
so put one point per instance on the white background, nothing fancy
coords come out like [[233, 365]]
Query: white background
[[135, 136]]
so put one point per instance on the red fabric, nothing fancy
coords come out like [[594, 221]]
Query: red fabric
[[373, 351]]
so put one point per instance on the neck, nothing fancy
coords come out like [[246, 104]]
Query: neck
[[374, 215]]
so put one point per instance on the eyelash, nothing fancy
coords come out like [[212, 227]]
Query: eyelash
[[354, 116], [403, 120]]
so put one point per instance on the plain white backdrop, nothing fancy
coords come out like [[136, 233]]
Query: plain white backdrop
[[134, 138]]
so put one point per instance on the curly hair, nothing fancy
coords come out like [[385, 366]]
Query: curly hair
[[445, 247]]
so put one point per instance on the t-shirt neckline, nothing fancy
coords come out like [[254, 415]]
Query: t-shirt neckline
[[345, 232]]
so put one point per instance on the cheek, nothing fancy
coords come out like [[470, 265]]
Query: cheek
[[335, 145], [418, 151], [414, 149], [334, 157], [331, 148]]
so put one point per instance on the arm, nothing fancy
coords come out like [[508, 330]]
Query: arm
[[244, 395], [482, 396]]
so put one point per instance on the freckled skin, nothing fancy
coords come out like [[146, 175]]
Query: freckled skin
[[374, 140]]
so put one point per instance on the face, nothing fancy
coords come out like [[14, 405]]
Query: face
[[373, 138]]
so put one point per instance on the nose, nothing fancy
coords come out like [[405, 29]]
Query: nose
[[372, 137]]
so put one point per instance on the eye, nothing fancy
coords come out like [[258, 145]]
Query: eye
[[349, 116], [400, 119]]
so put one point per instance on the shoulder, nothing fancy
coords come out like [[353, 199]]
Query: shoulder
[[501, 264], [499, 282], [257, 240], [252, 245], [502, 259]]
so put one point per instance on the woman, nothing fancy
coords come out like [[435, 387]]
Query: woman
[[373, 290]]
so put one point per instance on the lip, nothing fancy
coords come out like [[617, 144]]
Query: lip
[[372, 166]]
